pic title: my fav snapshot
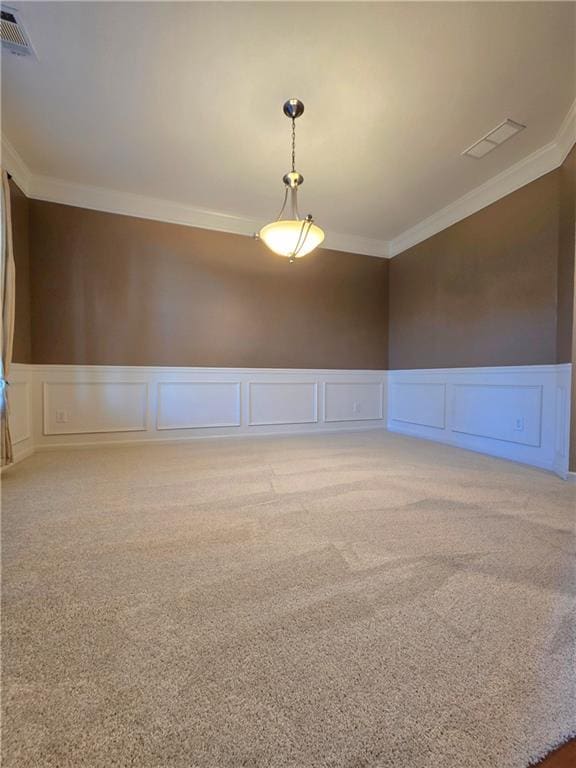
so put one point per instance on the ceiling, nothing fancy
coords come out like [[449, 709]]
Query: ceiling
[[183, 101]]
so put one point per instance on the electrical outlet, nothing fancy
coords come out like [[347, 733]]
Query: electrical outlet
[[356, 407], [519, 425], [61, 417]]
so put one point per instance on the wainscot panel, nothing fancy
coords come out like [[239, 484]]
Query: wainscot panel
[[20, 410], [353, 400], [83, 407], [420, 403], [77, 405], [280, 402], [499, 411], [197, 404], [518, 412]]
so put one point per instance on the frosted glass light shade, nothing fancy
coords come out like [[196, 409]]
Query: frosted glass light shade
[[282, 237]]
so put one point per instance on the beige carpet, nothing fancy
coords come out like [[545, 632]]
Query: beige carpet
[[344, 601]]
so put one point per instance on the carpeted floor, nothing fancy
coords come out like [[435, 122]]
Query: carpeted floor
[[346, 601]]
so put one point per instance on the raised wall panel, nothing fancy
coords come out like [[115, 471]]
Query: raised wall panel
[[352, 401], [501, 412], [103, 404], [517, 412], [96, 406], [468, 407], [418, 403], [279, 402], [196, 404], [19, 405]]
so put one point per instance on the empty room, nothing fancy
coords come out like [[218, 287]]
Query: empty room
[[288, 384]]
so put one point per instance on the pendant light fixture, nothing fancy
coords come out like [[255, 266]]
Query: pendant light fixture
[[290, 235]]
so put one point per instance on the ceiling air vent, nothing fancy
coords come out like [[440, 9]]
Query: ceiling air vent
[[14, 37], [491, 140]]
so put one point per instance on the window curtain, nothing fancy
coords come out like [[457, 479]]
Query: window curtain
[[7, 307]]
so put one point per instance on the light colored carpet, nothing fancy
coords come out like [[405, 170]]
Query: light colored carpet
[[346, 601]]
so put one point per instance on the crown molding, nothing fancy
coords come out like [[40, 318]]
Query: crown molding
[[129, 204], [16, 167], [566, 137], [544, 160], [364, 246], [140, 206], [54, 190]]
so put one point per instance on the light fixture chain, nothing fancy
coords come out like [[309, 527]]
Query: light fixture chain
[[290, 235]]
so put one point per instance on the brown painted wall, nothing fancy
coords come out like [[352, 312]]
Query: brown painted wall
[[566, 337], [566, 283], [116, 290], [484, 291], [20, 220]]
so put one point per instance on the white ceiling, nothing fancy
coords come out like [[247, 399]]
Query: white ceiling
[[183, 101]]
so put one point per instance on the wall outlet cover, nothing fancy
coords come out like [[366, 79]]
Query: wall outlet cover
[[61, 417]]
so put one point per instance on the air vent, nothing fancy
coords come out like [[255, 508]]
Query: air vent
[[14, 37], [491, 140]]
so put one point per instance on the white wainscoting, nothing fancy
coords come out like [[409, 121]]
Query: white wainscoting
[[353, 401], [520, 413], [86, 407], [198, 404], [77, 405], [20, 401], [419, 404], [282, 402]]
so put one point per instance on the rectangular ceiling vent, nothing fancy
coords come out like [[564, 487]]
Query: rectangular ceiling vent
[[491, 140], [14, 37]]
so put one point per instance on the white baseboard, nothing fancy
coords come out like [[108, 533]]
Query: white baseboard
[[365, 427], [520, 413]]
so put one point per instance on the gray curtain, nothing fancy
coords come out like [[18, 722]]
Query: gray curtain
[[7, 307]]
